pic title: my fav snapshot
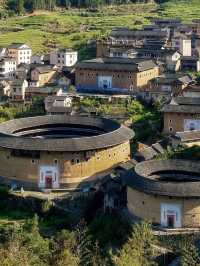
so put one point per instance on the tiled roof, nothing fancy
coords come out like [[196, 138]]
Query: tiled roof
[[183, 105], [182, 178], [110, 63], [114, 134], [186, 136], [124, 32], [172, 79], [17, 46]]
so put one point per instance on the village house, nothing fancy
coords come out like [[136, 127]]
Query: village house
[[190, 63], [4, 89], [58, 105], [42, 92], [162, 88], [170, 57], [166, 22], [7, 68], [122, 52], [42, 75], [181, 114], [183, 45], [20, 52], [63, 58], [114, 75], [3, 52], [37, 59], [17, 90], [192, 90], [187, 138], [22, 71], [124, 38]]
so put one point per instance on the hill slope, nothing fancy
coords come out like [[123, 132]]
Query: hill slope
[[74, 28]]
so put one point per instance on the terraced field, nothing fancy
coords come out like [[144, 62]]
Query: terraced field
[[75, 28]]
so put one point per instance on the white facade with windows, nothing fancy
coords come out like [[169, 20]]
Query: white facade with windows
[[63, 58], [191, 124], [20, 52], [37, 59], [7, 68], [24, 55]]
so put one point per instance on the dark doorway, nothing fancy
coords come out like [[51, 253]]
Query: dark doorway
[[170, 221], [48, 182]]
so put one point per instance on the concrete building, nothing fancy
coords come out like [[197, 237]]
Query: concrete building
[[114, 75], [58, 105], [60, 151], [165, 87], [183, 45], [7, 68], [3, 52], [20, 52], [17, 90], [37, 59], [181, 114], [63, 58], [4, 89]]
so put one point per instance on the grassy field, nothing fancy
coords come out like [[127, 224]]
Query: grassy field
[[184, 9], [71, 28], [74, 28]]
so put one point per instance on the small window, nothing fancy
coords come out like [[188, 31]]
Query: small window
[[170, 129], [77, 161], [55, 161], [170, 121], [33, 161]]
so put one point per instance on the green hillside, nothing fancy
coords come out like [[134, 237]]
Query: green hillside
[[74, 28]]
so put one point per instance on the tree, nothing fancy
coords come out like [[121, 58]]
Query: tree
[[63, 249], [135, 107], [20, 7], [36, 245], [188, 253], [139, 249]]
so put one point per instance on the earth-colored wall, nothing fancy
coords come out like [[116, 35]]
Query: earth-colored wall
[[120, 79], [71, 171], [176, 121], [147, 206]]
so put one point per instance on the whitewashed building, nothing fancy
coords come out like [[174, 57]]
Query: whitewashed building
[[63, 57], [7, 68], [21, 52]]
